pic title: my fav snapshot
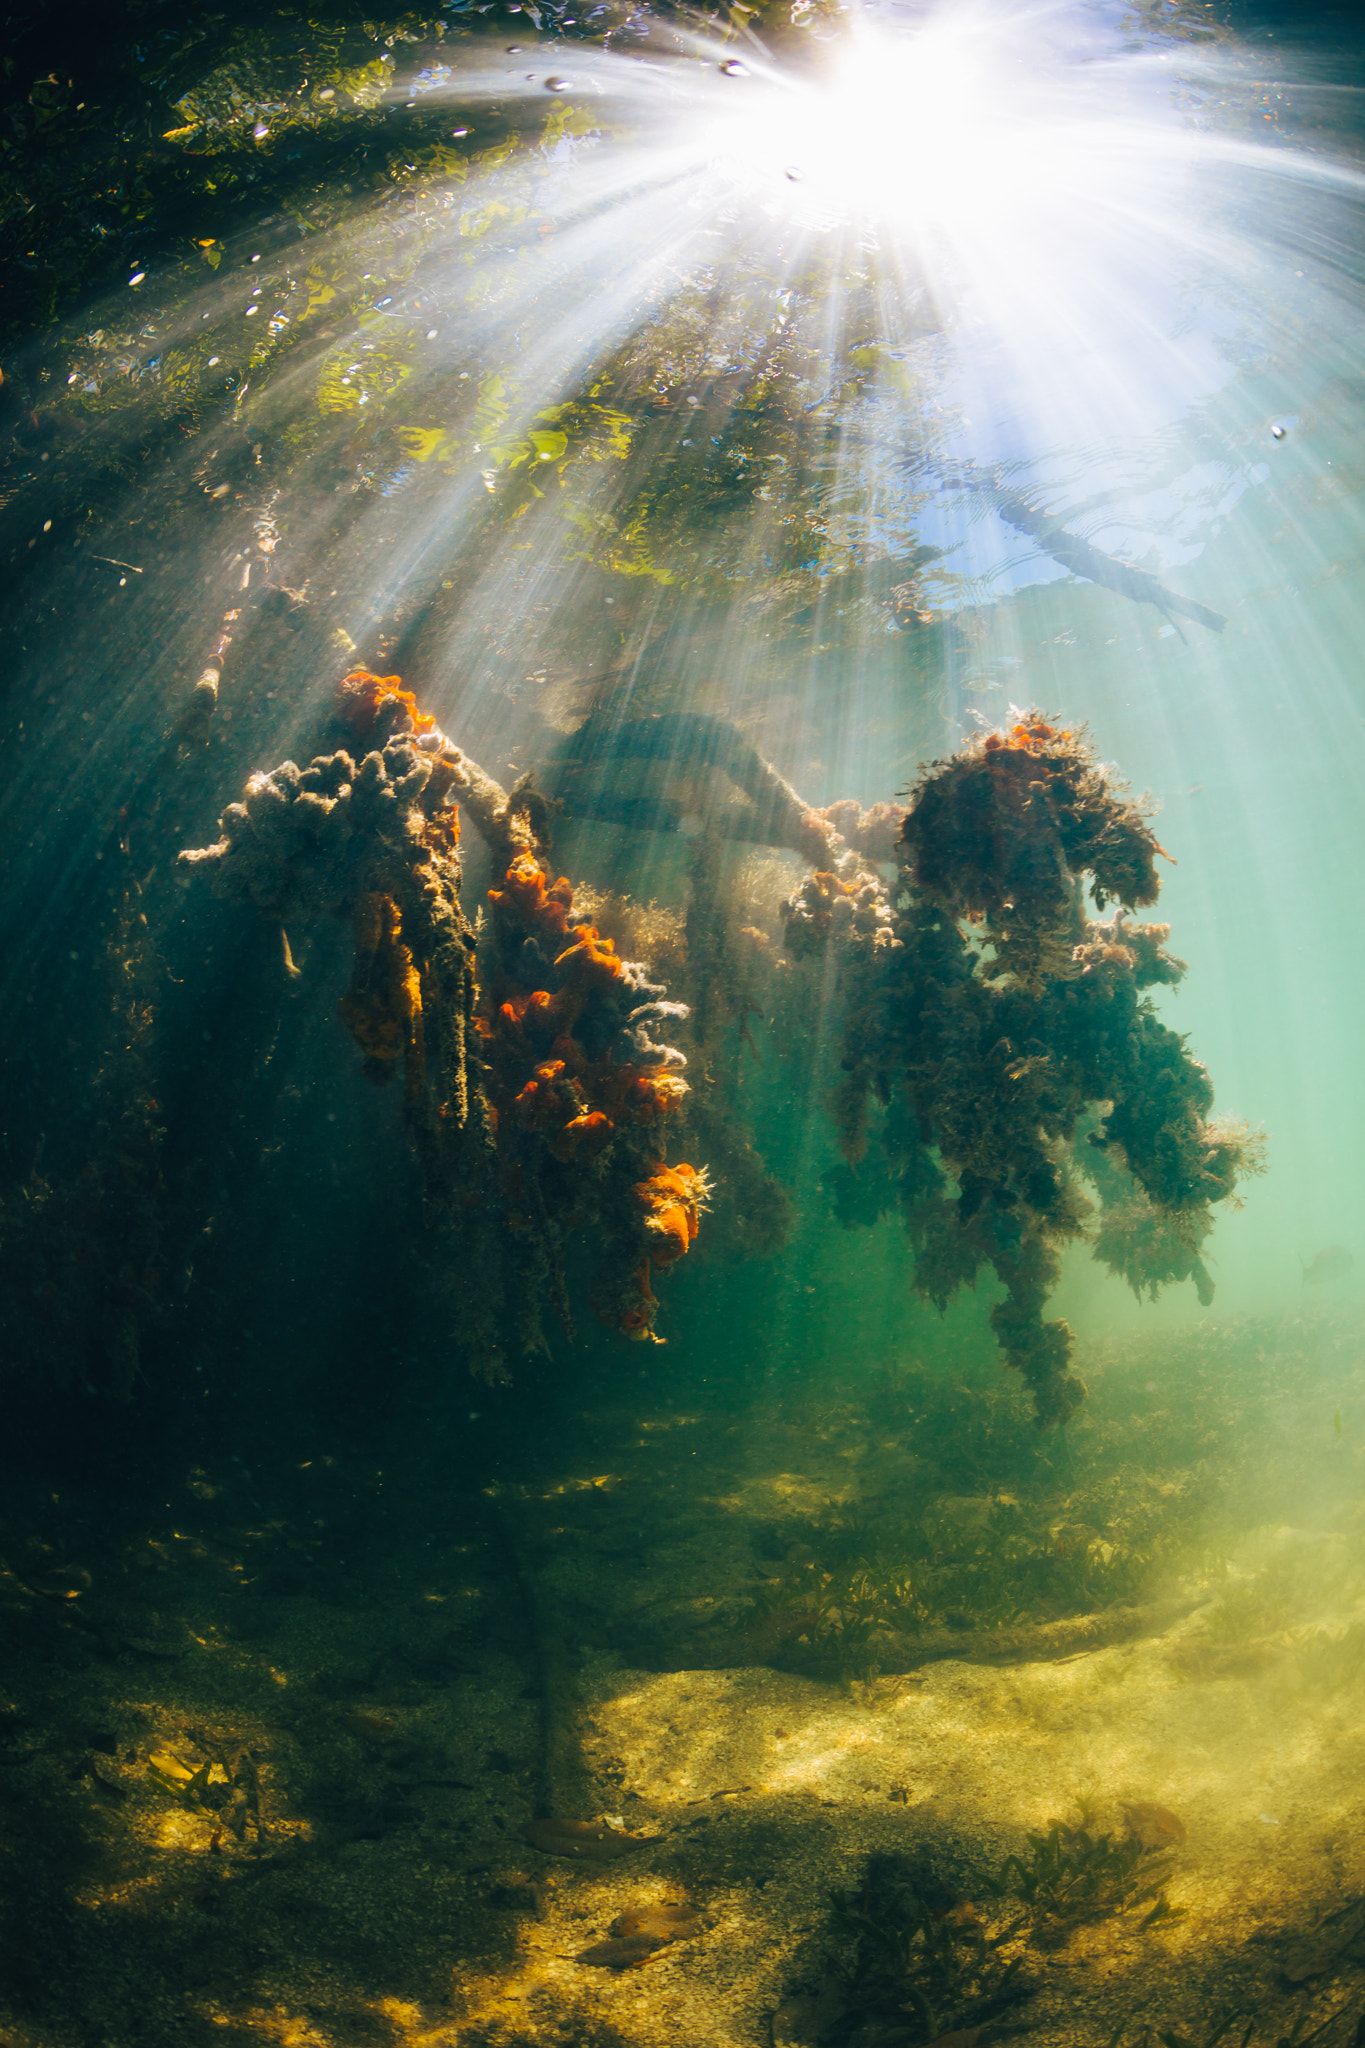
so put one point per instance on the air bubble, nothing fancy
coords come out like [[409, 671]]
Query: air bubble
[[732, 68], [556, 85], [795, 173], [137, 277]]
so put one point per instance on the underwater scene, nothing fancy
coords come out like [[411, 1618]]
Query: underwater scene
[[682, 1233]]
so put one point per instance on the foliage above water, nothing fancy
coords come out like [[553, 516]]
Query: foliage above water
[[305, 234]]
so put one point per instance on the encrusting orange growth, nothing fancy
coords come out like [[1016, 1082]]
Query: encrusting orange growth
[[525, 894], [672, 1198], [382, 1007], [567, 1088], [583, 1137], [534, 1019], [670, 1203], [576, 1088], [546, 1099], [568, 1092], [591, 960], [364, 696], [1033, 736], [632, 1095]]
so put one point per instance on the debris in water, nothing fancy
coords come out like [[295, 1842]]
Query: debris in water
[[587, 1841], [1155, 1827], [1332, 1264], [639, 1933]]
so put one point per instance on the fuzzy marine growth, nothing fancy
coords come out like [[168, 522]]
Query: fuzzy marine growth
[[580, 1090], [1003, 830], [376, 841], [1010, 1037]]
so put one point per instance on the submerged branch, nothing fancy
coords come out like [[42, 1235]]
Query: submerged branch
[[690, 745]]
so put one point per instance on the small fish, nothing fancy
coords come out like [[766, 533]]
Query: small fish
[[1156, 1827], [1332, 1264], [372, 1727]]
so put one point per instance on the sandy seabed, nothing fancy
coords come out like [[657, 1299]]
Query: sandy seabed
[[267, 1761]]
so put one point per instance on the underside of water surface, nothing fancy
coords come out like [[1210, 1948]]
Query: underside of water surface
[[680, 1196]]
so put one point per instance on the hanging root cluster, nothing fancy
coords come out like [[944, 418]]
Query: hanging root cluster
[[536, 1092], [1009, 1037], [83, 1268], [1005, 1029], [375, 842], [581, 1093]]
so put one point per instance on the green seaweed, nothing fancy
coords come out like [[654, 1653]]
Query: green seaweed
[[1073, 1875], [923, 1964], [1219, 2029], [850, 1583]]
